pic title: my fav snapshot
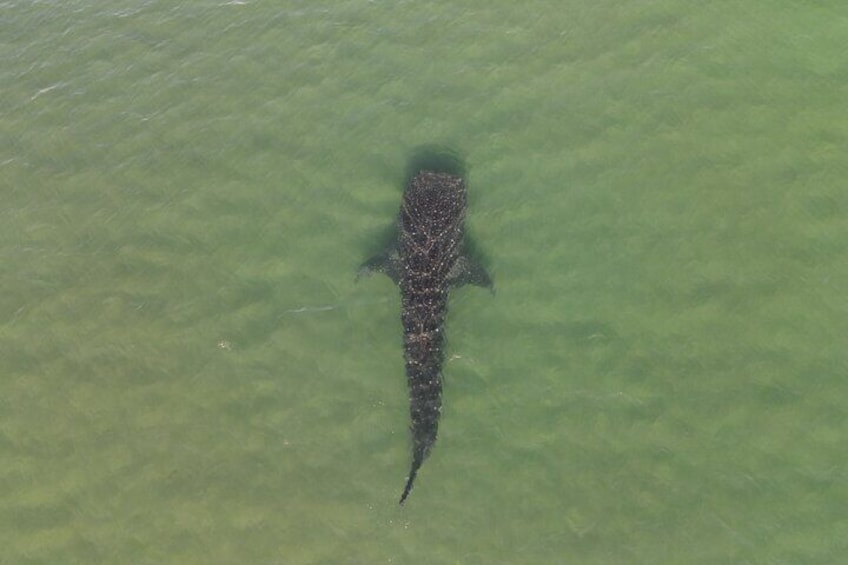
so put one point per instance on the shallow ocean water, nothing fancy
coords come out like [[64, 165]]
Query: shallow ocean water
[[189, 373]]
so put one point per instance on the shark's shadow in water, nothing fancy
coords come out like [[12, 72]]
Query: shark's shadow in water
[[427, 259]]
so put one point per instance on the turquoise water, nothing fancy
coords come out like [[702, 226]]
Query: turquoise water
[[190, 375]]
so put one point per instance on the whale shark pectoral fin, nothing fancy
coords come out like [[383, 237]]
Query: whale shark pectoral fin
[[468, 271], [387, 262]]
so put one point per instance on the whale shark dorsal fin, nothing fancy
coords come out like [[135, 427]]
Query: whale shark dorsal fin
[[388, 262], [468, 271]]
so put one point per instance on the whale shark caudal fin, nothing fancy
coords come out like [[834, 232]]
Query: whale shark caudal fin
[[417, 461]]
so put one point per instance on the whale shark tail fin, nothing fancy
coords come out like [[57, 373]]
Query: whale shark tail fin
[[417, 460]]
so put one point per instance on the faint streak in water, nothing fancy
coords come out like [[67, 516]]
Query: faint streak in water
[[310, 309], [736, 533], [611, 396], [47, 89], [329, 307]]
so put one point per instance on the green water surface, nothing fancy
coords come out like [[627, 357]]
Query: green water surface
[[189, 374]]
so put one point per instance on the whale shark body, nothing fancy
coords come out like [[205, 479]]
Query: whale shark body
[[426, 261]]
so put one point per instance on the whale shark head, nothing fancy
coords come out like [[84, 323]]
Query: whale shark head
[[433, 205]]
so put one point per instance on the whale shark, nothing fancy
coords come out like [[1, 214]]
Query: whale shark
[[426, 261]]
